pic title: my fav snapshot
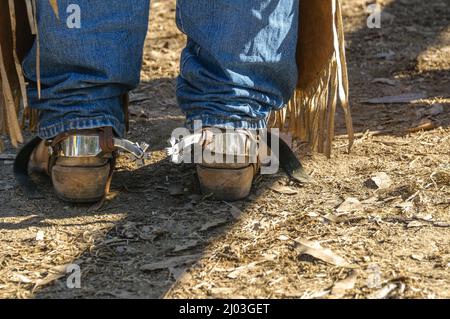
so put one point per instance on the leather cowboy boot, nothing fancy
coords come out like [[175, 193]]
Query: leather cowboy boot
[[80, 163], [227, 163]]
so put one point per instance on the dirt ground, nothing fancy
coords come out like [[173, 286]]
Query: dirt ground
[[158, 237]]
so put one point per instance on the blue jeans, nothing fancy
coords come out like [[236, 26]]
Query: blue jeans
[[238, 65]]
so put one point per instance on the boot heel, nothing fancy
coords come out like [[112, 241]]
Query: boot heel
[[226, 184], [81, 184]]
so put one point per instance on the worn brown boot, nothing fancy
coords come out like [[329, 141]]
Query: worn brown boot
[[228, 161], [80, 163], [227, 164]]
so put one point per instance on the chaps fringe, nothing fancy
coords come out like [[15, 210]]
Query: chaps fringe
[[310, 114]]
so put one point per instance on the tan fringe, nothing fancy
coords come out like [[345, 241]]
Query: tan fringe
[[310, 114], [10, 99], [32, 115], [10, 77], [38, 51], [31, 17], [9, 107], [23, 89], [344, 101], [54, 5]]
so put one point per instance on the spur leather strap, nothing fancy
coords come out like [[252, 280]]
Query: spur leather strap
[[21, 174]]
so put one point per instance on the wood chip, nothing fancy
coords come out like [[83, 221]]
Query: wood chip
[[406, 206], [281, 189], [344, 218], [418, 257], [236, 272], [383, 292], [385, 81], [415, 224], [21, 278], [54, 274], [314, 249], [40, 235], [351, 204], [382, 180], [239, 270], [342, 286], [332, 218], [425, 217], [312, 214], [441, 224], [283, 238], [425, 125]]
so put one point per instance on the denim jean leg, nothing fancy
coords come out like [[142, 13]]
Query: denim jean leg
[[89, 58], [239, 63]]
